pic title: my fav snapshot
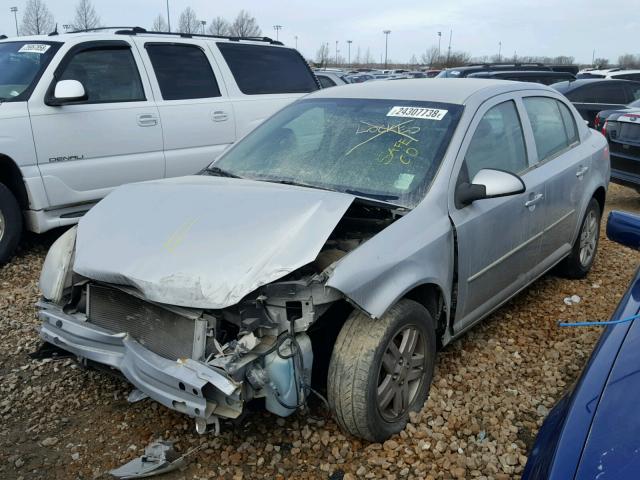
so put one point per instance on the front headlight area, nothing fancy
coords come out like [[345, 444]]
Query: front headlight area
[[56, 275]]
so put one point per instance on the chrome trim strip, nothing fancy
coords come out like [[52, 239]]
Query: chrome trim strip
[[559, 221]]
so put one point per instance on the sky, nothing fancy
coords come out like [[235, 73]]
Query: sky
[[528, 27]]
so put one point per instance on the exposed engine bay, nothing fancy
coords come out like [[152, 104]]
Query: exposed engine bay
[[257, 348]]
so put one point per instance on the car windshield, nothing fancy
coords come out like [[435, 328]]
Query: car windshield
[[388, 150], [21, 64]]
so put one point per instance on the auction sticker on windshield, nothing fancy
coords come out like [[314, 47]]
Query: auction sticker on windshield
[[417, 112], [34, 48]]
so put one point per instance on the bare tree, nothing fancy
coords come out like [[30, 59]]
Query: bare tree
[[188, 21], [628, 60], [413, 61], [219, 26], [322, 55], [368, 58], [245, 25], [601, 62], [431, 56], [159, 24], [37, 19], [358, 56], [86, 17]]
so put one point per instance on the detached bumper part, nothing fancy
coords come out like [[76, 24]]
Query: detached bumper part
[[185, 385]]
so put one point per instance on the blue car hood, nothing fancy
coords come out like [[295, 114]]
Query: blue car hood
[[612, 449]]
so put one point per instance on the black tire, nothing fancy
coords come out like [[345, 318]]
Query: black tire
[[576, 266], [10, 224], [357, 370]]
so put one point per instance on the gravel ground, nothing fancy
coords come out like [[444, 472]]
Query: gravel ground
[[491, 391]]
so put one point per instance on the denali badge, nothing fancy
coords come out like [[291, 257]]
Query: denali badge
[[66, 159]]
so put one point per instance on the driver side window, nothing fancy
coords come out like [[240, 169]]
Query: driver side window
[[498, 142]]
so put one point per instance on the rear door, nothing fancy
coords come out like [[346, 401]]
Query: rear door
[[564, 163], [195, 109], [113, 137], [498, 239]]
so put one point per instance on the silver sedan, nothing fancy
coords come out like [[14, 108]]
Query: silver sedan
[[334, 249]]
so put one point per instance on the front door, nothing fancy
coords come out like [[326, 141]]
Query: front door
[[113, 137], [498, 239]]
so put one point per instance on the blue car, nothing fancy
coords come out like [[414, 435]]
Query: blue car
[[594, 431]]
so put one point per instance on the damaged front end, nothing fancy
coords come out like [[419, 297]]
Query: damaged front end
[[208, 362]]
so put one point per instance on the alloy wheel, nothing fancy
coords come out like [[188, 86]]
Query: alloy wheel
[[401, 373], [588, 238]]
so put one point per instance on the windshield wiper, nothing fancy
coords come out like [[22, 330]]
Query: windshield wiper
[[376, 196], [219, 172], [295, 184]]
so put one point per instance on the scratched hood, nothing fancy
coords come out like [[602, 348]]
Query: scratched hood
[[204, 242]]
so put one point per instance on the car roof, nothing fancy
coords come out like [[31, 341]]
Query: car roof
[[445, 90], [573, 84], [525, 73]]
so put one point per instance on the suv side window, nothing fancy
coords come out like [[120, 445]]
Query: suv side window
[[261, 69], [326, 82], [183, 71], [108, 74], [551, 131], [498, 142]]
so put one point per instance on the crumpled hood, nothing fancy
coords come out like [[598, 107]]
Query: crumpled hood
[[204, 242]]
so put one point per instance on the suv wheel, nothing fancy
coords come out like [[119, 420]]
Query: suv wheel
[[10, 224], [380, 370], [579, 262]]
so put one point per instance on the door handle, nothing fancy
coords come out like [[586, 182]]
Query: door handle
[[219, 116], [535, 199], [581, 171], [147, 120]]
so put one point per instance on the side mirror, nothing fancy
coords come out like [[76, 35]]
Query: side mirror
[[624, 228], [489, 183], [68, 91]]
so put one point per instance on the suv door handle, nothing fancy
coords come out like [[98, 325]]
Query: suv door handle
[[147, 120], [581, 171], [535, 199], [219, 116]]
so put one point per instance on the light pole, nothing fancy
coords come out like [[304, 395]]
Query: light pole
[[499, 51], [336, 53], [203, 23], [15, 17], [277, 28], [386, 46], [349, 42], [296, 39], [439, 38], [66, 27], [449, 50], [168, 17]]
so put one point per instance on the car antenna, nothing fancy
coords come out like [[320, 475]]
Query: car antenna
[[55, 31]]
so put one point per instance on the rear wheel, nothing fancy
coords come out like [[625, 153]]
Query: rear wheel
[[579, 262], [381, 370], [10, 224]]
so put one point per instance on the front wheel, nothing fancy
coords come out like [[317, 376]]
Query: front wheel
[[10, 224], [381, 370], [579, 262]]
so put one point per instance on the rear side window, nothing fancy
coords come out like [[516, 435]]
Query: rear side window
[[600, 93], [326, 82], [264, 69], [629, 76], [183, 71], [553, 130], [108, 75]]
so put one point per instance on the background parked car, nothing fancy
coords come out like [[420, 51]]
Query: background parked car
[[329, 79], [591, 96], [82, 113], [593, 430], [460, 72], [602, 116], [622, 130], [612, 73], [535, 76]]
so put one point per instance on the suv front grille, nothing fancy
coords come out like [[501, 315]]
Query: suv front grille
[[160, 330]]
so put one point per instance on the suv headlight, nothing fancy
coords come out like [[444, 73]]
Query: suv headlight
[[56, 271]]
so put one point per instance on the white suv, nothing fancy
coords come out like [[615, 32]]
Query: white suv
[[82, 113]]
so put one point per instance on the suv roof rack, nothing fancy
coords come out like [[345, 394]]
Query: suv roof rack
[[516, 64], [2, 37], [140, 30]]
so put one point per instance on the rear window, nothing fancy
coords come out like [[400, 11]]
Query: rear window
[[264, 69]]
